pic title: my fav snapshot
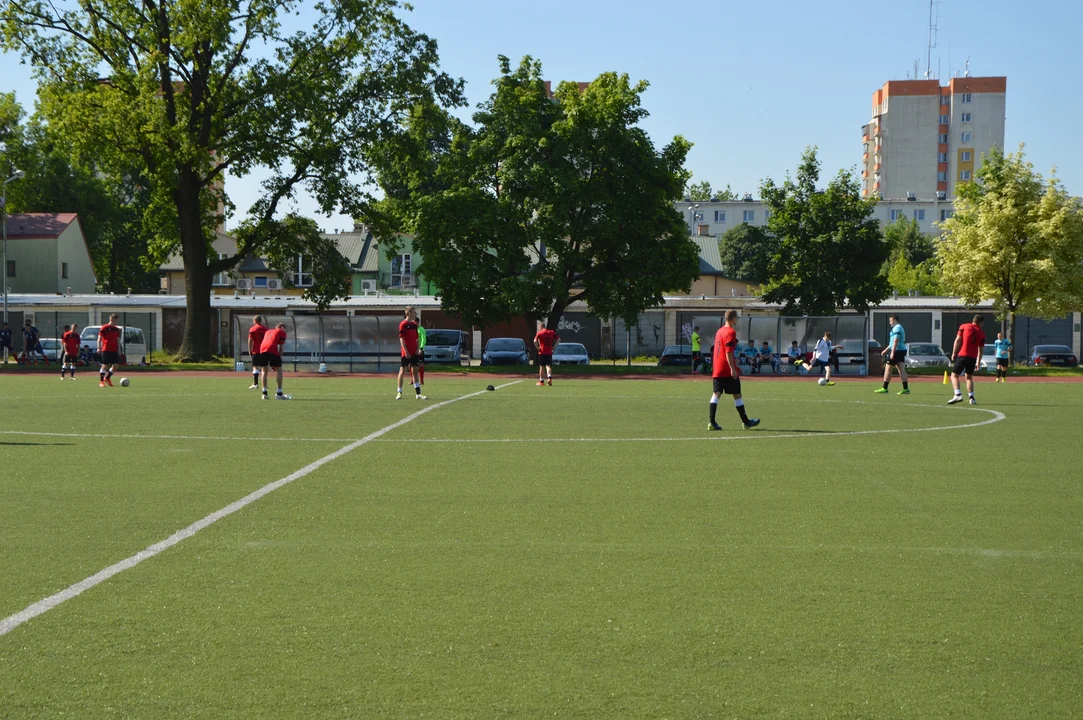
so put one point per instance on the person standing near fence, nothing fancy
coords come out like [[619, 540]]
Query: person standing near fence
[[271, 350], [725, 373], [5, 342], [32, 343], [1002, 347], [545, 341], [895, 355], [696, 353], [255, 342], [70, 339], [410, 353]]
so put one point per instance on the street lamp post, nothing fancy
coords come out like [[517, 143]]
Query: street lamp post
[[17, 175]]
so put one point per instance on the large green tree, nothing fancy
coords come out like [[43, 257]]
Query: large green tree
[[1016, 239], [110, 208], [542, 201], [195, 90], [912, 264], [746, 252], [702, 192], [830, 251]]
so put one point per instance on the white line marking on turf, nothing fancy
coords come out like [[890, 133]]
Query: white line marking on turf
[[757, 435], [42, 606]]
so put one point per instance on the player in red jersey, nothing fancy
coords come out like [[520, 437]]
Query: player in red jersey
[[726, 374], [965, 356], [545, 341], [255, 342], [271, 350], [70, 338], [410, 353], [109, 347]]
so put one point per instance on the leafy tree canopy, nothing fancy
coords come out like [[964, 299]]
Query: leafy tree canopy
[[830, 251], [195, 90], [1016, 239], [544, 200], [746, 252], [702, 192], [110, 210], [905, 238]]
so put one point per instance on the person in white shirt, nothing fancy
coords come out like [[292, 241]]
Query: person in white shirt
[[821, 356]]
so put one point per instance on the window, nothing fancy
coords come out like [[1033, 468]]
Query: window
[[401, 265], [943, 138], [942, 157], [896, 214], [302, 272], [63, 271], [942, 176], [944, 119], [750, 216], [966, 117], [968, 97], [259, 281], [965, 137], [720, 216], [11, 268], [919, 214], [964, 175], [221, 278], [766, 215], [965, 156], [945, 214]]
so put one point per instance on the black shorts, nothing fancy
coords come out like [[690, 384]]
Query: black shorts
[[964, 365], [110, 357], [260, 360], [271, 360], [1002, 362], [896, 358], [545, 359], [727, 385], [817, 363], [409, 360], [69, 358]]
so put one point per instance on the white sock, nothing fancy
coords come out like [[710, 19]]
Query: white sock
[[714, 400], [738, 403]]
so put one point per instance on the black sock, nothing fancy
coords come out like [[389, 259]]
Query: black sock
[[109, 375], [742, 413], [102, 373], [255, 378], [886, 383], [714, 409], [906, 385]]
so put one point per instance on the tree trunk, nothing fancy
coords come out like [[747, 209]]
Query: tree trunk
[[1011, 335], [196, 345]]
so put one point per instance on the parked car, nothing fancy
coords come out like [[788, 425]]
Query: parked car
[[53, 348], [133, 344], [849, 350], [570, 353], [505, 351], [988, 358], [676, 355], [446, 346], [1053, 355], [926, 355]]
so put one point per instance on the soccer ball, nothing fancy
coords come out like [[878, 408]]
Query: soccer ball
[[821, 381], [124, 382]]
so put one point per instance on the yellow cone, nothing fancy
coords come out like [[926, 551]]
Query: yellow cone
[[945, 377]]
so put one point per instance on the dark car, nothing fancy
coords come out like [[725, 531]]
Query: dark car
[[1053, 355], [505, 351], [676, 355]]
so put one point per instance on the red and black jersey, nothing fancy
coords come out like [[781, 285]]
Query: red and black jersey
[[273, 340], [110, 338], [973, 340], [71, 342], [408, 333], [725, 340]]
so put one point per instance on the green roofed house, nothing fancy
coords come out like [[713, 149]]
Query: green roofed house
[[47, 254], [398, 273]]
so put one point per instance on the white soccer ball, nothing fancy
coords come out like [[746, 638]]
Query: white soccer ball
[[124, 382], [821, 381]]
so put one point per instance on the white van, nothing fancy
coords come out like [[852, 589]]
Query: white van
[[133, 344]]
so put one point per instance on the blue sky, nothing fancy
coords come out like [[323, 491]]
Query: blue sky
[[752, 83]]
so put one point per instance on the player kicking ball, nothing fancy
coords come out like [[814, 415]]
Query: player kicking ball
[[821, 358], [726, 375]]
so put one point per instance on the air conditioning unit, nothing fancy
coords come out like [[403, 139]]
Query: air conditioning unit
[[941, 194], [911, 197], [243, 283], [407, 281], [274, 284], [368, 286]]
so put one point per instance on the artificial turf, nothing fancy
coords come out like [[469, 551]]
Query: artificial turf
[[582, 550]]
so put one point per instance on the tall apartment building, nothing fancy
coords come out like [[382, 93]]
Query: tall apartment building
[[925, 138]]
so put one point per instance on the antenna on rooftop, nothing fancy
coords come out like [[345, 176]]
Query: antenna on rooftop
[[934, 17], [966, 71]]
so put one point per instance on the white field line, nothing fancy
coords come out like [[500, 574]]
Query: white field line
[[42, 606], [755, 435], [105, 436]]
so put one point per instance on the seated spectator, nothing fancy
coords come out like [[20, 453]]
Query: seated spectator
[[796, 354], [767, 357], [747, 355]]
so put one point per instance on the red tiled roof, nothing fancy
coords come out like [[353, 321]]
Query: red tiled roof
[[38, 225]]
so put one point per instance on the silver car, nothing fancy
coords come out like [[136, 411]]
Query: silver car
[[569, 353], [926, 355]]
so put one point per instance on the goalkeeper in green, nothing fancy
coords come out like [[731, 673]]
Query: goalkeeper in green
[[421, 351]]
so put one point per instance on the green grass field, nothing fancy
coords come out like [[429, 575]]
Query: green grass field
[[587, 550]]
